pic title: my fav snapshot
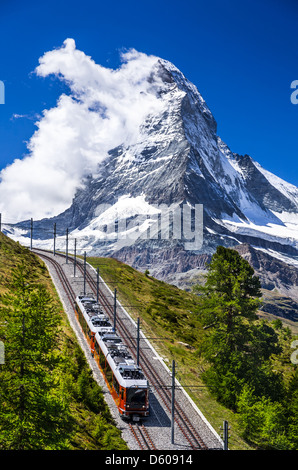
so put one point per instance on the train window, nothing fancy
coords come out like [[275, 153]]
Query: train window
[[109, 374], [79, 314], [81, 318], [102, 360], [116, 385], [136, 396]]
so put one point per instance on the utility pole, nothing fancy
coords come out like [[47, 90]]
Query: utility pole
[[54, 239], [84, 272], [75, 258], [226, 435], [31, 233], [67, 246], [97, 284], [0, 221], [138, 342], [115, 307], [173, 402]]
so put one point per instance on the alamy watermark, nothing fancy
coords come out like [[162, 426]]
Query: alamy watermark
[[159, 222], [2, 92], [294, 95]]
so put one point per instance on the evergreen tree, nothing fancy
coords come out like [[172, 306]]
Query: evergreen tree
[[32, 415], [270, 424], [263, 421], [237, 347]]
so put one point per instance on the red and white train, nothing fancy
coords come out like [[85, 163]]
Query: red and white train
[[124, 378]]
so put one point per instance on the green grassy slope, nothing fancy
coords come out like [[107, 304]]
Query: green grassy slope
[[91, 426], [167, 317]]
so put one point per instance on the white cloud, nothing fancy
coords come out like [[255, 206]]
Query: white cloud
[[105, 108]]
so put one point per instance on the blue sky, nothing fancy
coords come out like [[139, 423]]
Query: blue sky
[[242, 56]]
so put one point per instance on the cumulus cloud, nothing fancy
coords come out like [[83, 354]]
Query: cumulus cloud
[[104, 108]]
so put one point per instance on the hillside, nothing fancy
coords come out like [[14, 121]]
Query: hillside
[[176, 160], [169, 318], [133, 204], [90, 425]]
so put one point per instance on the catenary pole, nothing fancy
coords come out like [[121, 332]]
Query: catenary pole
[[84, 272], [54, 239], [115, 308], [226, 435], [75, 258], [173, 401], [31, 233], [97, 284], [138, 342], [67, 246]]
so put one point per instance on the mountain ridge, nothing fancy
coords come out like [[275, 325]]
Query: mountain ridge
[[178, 159]]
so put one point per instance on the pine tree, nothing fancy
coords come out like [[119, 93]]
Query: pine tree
[[236, 346], [32, 416], [229, 295]]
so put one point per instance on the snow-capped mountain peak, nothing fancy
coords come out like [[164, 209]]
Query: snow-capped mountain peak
[[177, 158]]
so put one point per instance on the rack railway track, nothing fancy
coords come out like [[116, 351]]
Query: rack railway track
[[139, 431], [141, 434], [183, 422], [61, 275]]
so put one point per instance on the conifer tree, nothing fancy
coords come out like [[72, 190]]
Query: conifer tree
[[237, 347], [31, 415]]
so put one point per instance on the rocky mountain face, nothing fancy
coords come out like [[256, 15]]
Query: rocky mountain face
[[179, 160]]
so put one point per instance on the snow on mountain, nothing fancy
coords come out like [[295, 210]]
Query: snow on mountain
[[287, 189], [177, 159]]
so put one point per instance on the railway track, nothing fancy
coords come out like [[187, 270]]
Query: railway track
[[61, 275], [182, 421], [141, 434], [138, 430]]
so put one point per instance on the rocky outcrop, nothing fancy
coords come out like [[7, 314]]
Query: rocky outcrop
[[178, 158]]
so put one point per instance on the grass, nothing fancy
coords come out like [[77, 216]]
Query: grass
[[167, 317], [166, 313], [91, 426]]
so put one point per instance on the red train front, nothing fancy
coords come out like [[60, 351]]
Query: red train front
[[125, 379]]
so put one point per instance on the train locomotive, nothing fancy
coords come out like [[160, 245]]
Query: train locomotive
[[124, 378]]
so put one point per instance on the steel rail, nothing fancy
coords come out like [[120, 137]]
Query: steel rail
[[181, 419]]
